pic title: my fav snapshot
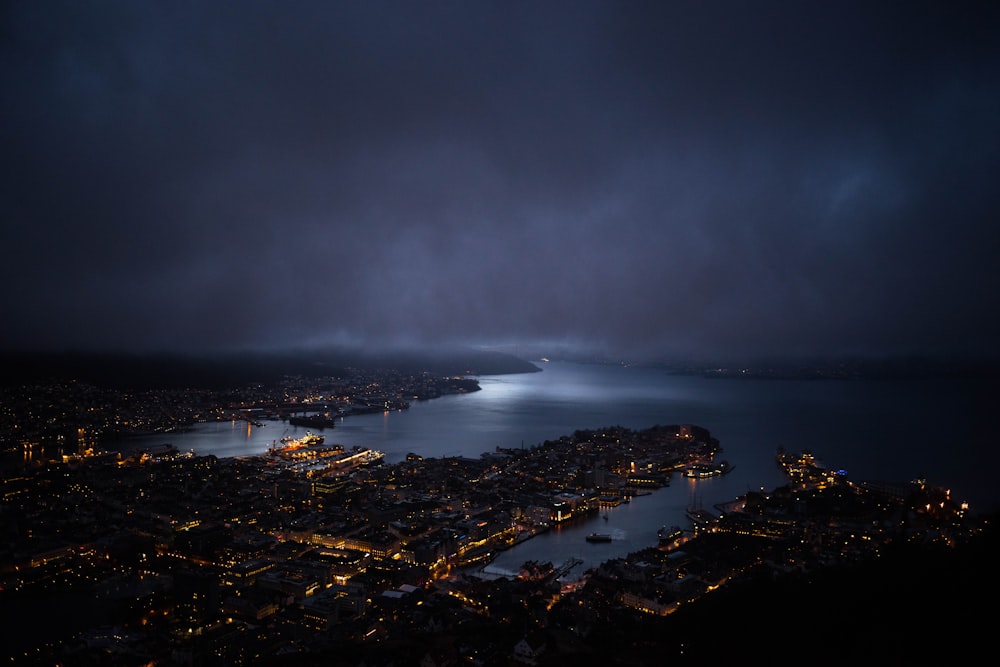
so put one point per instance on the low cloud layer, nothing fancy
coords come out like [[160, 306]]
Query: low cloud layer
[[663, 179]]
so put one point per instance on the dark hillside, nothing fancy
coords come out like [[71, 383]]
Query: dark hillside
[[136, 371]]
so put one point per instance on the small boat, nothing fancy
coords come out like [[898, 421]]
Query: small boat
[[598, 537]]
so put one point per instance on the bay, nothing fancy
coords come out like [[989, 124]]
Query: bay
[[943, 429]]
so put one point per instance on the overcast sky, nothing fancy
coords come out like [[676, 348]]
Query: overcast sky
[[667, 178]]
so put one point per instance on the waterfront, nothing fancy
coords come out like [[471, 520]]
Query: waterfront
[[875, 429], [219, 517], [633, 526]]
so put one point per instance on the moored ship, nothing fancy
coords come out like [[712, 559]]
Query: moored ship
[[667, 536], [702, 470], [310, 439], [315, 421], [599, 537]]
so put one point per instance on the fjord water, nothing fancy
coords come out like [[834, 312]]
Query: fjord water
[[943, 429]]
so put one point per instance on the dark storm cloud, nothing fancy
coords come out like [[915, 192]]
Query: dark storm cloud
[[712, 179]]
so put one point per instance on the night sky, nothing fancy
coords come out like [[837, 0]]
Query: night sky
[[664, 179]]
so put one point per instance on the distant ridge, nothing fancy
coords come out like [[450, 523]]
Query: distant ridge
[[900, 368], [220, 371]]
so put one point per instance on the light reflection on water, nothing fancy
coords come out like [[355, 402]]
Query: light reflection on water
[[632, 527], [887, 430]]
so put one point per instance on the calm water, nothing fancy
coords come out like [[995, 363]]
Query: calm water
[[888, 430]]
